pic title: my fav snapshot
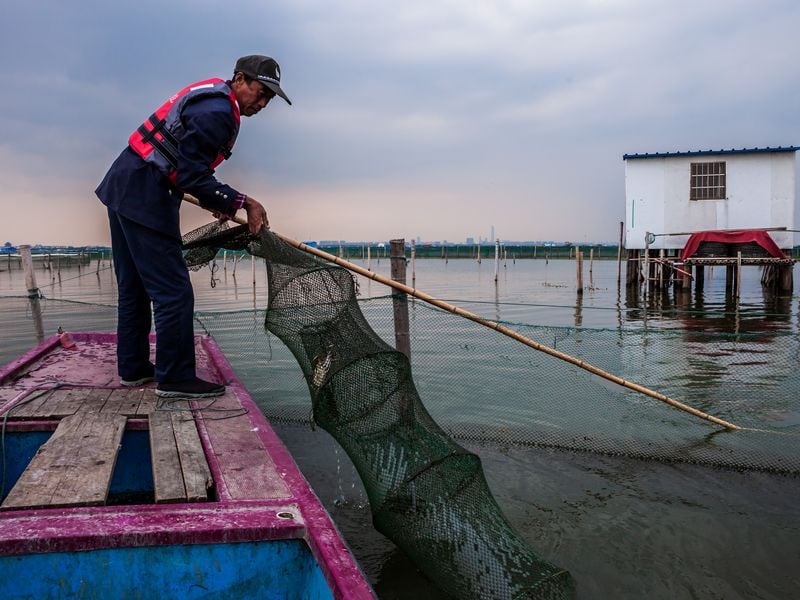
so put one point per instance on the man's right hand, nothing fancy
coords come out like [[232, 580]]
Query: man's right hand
[[256, 215]]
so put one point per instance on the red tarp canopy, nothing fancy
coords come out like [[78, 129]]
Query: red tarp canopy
[[759, 236]]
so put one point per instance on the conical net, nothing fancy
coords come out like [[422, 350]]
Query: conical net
[[427, 493]]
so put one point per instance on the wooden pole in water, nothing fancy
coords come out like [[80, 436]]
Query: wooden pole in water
[[33, 290], [397, 258], [496, 258], [738, 273], [646, 263], [30, 275], [369, 256], [413, 262], [578, 271], [492, 325], [619, 253]]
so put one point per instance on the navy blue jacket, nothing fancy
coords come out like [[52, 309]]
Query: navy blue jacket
[[140, 192]]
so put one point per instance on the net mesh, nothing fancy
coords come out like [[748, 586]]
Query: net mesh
[[426, 493]]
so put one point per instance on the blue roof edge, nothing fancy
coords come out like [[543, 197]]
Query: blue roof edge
[[711, 152]]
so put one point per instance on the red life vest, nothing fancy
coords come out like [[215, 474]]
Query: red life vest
[[157, 139]]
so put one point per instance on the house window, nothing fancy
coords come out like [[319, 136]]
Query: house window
[[708, 181]]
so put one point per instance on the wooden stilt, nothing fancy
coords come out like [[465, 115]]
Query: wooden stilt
[[699, 278], [738, 281], [619, 253]]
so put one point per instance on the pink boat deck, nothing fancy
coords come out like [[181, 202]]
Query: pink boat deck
[[255, 490]]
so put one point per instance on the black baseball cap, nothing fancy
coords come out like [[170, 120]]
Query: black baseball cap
[[264, 70]]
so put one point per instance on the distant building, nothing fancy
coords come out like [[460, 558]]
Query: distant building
[[470, 241], [674, 192]]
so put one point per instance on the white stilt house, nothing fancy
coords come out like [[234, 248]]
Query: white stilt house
[[731, 199]]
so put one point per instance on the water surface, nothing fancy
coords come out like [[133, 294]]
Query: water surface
[[625, 528]]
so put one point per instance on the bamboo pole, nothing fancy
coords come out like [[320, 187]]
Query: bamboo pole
[[493, 325]]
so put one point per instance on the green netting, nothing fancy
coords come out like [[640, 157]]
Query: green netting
[[427, 494]]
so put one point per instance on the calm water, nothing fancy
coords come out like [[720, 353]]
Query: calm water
[[625, 528]]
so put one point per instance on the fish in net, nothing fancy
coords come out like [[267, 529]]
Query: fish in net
[[427, 494]]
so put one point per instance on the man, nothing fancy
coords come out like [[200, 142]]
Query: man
[[174, 151]]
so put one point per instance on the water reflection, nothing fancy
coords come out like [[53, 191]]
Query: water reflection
[[726, 355]]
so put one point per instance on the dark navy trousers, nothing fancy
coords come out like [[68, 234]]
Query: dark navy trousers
[[149, 267]]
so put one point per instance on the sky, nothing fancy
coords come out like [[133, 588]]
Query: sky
[[431, 119]]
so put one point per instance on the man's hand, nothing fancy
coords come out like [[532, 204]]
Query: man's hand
[[256, 215]]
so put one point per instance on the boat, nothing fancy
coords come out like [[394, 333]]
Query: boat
[[109, 491]]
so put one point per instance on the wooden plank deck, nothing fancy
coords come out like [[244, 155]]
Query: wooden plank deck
[[74, 467], [83, 449], [62, 402], [180, 469]]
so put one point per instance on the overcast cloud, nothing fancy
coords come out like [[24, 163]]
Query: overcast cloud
[[425, 118]]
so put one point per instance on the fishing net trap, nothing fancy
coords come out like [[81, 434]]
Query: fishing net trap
[[427, 493]]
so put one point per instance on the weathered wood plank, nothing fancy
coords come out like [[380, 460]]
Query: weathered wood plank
[[129, 404], [148, 403], [248, 471], [167, 476], [62, 403], [97, 449], [74, 467], [9, 393], [194, 467], [30, 405], [120, 401], [95, 399]]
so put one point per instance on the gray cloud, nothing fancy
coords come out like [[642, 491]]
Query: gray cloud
[[496, 109]]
